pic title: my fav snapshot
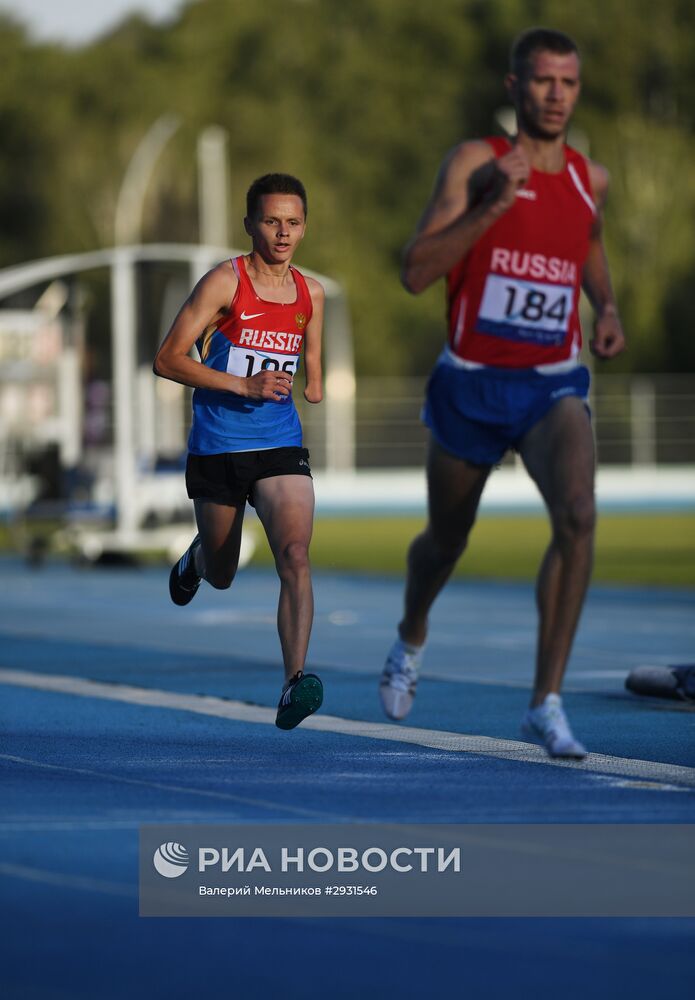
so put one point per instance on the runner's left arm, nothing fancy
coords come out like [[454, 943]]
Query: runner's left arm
[[207, 303], [608, 339], [313, 392]]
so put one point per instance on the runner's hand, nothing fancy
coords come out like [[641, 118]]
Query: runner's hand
[[268, 385], [511, 172], [608, 339]]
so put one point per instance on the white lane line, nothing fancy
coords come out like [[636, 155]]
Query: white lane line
[[165, 786], [486, 746]]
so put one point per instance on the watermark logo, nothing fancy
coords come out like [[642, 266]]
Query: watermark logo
[[171, 860]]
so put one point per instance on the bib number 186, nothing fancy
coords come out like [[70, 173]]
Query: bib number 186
[[269, 364]]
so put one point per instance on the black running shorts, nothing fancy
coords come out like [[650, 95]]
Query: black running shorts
[[229, 478]]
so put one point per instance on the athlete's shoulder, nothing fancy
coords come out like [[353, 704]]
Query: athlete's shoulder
[[465, 164], [314, 287], [224, 267], [218, 285], [467, 156], [599, 179], [598, 175], [223, 275]]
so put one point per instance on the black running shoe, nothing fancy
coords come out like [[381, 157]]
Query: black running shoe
[[183, 579], [301, 696]]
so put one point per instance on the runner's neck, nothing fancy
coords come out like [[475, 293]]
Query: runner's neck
[[546, 156]]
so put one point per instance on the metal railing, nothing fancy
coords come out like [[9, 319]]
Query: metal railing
[[638, 420]]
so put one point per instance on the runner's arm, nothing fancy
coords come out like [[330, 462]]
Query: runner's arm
[[313, 391], [608, 339], [473, 189], [203, 308]]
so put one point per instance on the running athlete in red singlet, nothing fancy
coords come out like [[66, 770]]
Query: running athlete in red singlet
[[515, 227], [250, 318], [252, 335], [514, 297]]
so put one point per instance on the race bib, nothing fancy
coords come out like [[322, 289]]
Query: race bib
[[245, 362], [525, 311]]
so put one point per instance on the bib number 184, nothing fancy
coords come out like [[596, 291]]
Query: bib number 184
[[531, 305], [527, 311]]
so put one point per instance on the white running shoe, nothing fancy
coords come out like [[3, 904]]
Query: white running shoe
[[399, 679], [547, 724]]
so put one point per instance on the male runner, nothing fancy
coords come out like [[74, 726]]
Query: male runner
[[249, 318], [515, 226]]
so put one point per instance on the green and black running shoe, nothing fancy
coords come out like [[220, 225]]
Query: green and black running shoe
[[302, 695]]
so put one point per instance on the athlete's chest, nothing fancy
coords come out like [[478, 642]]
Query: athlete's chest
[[255, 321], [553, 214], [530, 264]]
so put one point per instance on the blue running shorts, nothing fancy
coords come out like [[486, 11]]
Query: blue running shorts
[[478, 414]]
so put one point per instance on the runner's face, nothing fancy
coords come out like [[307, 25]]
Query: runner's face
[[546, 97], [278, 227]]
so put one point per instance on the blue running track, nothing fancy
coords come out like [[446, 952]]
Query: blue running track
[[81, 774]]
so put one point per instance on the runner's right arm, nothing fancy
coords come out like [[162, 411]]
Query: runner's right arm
[[205, 306], [472, 191]]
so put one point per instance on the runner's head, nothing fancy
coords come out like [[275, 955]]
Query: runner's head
[[536, 40], [273, 184], [276, 216], [543, 81]]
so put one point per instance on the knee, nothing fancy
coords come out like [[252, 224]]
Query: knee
[[575, 520], [293, 560], [441, 547]]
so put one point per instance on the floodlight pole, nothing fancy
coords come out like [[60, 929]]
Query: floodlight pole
[[127, 230], [123, 321], [131, 197], [213, 185]]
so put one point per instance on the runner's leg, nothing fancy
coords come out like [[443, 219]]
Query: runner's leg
[[219, 527], [285, 507], [559, 456], [454, 491]]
